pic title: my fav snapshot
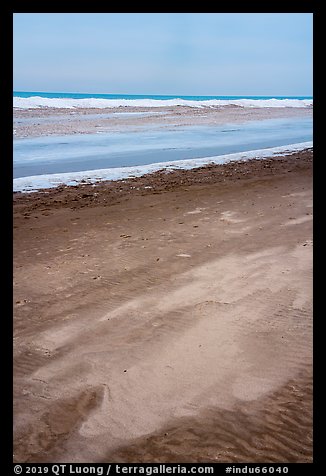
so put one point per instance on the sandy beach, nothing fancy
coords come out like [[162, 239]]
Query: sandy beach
[[166, 318]]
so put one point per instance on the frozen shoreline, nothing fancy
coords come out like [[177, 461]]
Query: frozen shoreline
[[37, 182], [48, 121]]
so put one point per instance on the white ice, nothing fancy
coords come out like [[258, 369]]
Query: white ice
[[36, 182]]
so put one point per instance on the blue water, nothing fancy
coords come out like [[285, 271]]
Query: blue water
[[54, 95], [78, 152]]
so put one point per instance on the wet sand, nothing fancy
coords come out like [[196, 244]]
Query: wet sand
[[166, 318]]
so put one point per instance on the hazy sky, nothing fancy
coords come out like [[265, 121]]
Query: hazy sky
[[164, 53]]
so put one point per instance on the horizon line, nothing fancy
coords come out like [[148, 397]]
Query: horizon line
[[174, 95]]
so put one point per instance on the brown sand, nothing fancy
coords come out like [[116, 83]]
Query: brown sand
[[166, 318]]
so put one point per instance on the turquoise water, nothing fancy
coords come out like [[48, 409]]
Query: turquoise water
[[56, 95]]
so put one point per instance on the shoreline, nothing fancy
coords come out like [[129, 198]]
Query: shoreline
[[48, 181], [169, 179]]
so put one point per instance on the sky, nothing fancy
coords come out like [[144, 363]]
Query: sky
[[164, 53]]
